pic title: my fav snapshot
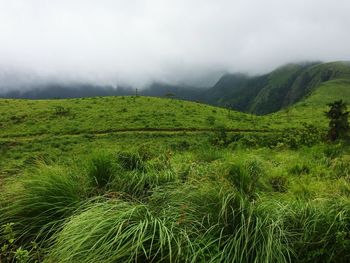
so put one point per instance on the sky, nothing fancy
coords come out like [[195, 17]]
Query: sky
[[136, 42]]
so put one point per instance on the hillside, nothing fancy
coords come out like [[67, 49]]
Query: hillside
[[312, 108], [106, 114], [276, 90], [143, 179], [260, 95]]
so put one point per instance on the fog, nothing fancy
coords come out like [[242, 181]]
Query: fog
[[135, 42]]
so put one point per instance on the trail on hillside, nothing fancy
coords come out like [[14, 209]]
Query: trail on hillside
[[131, 130]]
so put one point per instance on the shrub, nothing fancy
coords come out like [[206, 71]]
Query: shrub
[[338, 120], [219, 137], [211, 120], [61, 111], [278, 183]]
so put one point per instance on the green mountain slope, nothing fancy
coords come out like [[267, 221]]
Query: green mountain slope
[[312, 108], [105, 114], [276, 90], [311, 87]]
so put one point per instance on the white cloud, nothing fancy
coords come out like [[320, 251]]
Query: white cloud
[[136, 42]]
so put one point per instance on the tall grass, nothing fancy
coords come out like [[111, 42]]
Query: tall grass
[[38, 203], [116, 231], [101, 170], [201, 222], [319, 231], [109, 212]]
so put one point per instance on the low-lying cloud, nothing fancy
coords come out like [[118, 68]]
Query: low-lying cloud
[[136, 42]]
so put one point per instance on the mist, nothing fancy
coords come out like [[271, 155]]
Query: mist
[[136, 43]]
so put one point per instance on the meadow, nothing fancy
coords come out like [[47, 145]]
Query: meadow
[[138, 179]]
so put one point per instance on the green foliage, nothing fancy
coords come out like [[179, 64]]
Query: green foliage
[[308, 135], [320, 230], [9, 251], [299, 169], [276, 90], [265, 189], [61, 111], [187, 211], [219, 137], [101, 170], [341, 167], [38, 203], [130, 160], [338, 120], [245, 177], [279, 183], [211, 120]]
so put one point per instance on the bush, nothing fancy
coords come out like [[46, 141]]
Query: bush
[[210, 120], [61, 111], [219, 137], [278, 183]]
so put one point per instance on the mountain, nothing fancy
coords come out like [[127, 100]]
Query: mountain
[[276, 90], [260, 95], [63, 91], [176, 91], [81, 90]]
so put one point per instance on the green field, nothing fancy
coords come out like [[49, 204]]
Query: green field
[[140, 179]]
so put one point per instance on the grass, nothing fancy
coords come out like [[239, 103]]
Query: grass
[[84, 193], [186, 210], [103, 115], [38, 203]]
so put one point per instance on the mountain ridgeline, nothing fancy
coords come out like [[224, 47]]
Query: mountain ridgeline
[[276, 90], [260, 95]]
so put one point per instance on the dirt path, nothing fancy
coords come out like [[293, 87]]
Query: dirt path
[[132, 130]]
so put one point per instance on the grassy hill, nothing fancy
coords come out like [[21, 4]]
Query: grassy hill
[[312, 108], [279, 89], [141, 179], [105, 114], [261, 95], [62, 124]]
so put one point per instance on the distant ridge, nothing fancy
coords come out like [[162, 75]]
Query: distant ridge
[[262, 94]]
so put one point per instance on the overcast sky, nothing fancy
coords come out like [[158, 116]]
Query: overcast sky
[[193, 41]]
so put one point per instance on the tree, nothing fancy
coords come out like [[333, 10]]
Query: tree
[[338, 120]]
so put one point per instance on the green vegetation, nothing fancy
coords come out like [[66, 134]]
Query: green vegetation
[[138, 179], [274, 91], [338, 124]]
